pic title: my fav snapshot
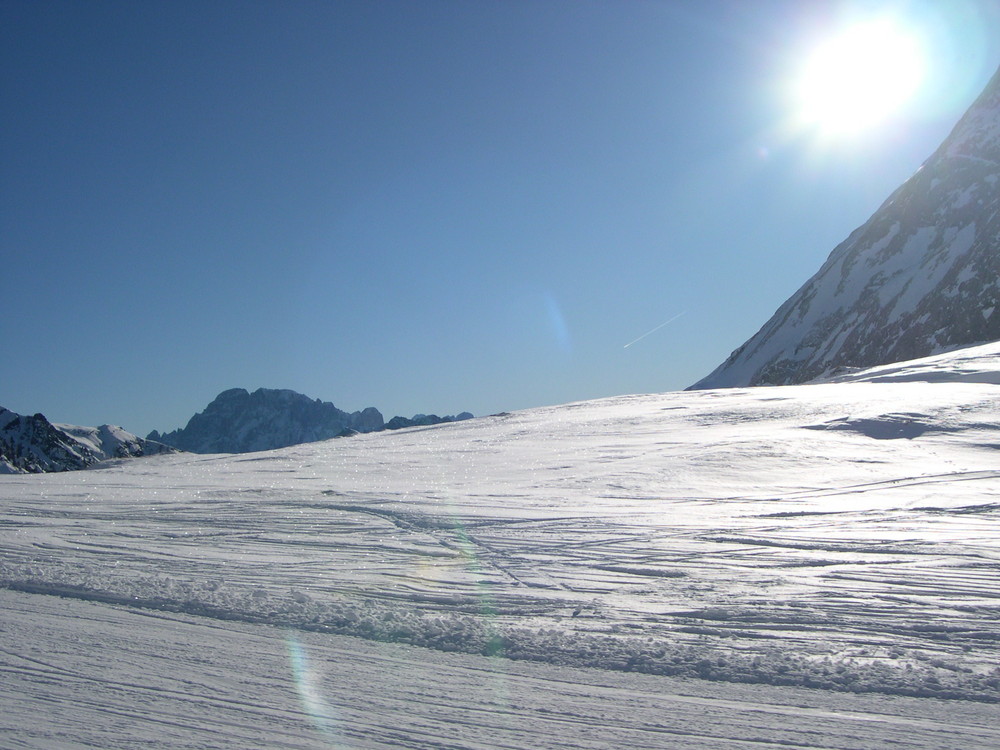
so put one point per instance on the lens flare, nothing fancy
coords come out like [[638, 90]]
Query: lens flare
[[487, 638], [307, 683], [858, 78], [557, 324]]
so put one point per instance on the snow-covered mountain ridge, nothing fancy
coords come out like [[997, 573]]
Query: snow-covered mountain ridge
[[921, 276], [840, 536], [32, 444], [238, 421]]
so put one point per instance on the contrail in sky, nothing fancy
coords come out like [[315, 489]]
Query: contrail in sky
[[654, 330]]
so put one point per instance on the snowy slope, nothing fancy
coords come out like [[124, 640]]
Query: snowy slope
[[974, 364], [722, 556], [921, 276], [83, 675]]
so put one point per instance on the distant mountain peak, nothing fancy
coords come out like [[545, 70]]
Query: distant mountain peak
[[921, 276], [238, 421]]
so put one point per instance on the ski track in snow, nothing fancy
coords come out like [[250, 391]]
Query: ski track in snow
[[840, 536], [115, 677]]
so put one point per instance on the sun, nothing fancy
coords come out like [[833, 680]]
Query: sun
[[856, 79]]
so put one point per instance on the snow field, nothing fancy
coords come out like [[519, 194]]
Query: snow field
[[840, 536]]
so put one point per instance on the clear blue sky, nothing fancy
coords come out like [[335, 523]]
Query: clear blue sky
[[424, 206]]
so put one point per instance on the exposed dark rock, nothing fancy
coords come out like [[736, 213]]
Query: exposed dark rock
[[423, 420], [239, 422], [35, 445]]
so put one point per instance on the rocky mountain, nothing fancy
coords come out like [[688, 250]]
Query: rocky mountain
[[238, 421], [423, 420], [32, 444], [922, 276]]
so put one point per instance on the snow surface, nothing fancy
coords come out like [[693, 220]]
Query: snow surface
[[802, 566]]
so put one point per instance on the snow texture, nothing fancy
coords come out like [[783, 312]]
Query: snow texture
[[920, 277], [805, 566]]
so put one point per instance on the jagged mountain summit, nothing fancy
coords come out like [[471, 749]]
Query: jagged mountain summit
[[238, 421], [921, 276], [32, 444]]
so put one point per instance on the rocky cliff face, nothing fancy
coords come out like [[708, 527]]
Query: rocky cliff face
[[32, 444], [922, 276], [240, 422]]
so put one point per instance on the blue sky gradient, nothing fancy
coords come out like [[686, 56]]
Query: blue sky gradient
[[424, 206]]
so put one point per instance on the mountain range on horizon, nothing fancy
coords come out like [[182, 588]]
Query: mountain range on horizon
[[238, 421], [920, 277]]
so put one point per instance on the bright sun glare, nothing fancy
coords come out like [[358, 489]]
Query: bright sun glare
[[856, 79]]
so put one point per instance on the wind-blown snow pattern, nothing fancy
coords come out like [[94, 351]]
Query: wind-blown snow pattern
[[920, 277], [807, 566]]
